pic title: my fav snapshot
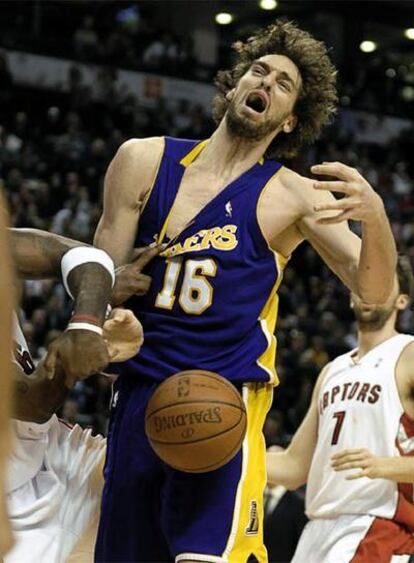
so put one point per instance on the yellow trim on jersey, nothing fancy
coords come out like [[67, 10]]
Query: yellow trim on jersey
[[193, 154], [185, 161], [246, 535], [149, 192], [267, 319], [268, 315]]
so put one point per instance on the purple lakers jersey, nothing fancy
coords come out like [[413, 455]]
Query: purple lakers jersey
[[213, 299]]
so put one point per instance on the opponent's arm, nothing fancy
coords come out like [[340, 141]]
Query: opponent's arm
[[37, 254], [290, 467], [37, 397], [366, 266], [128, 181]]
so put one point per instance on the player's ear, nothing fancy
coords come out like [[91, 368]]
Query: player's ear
[[290, 123], [230, 94], [402, 302]]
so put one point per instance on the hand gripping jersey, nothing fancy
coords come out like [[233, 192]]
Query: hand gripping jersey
[[359, 407], [213, 298]]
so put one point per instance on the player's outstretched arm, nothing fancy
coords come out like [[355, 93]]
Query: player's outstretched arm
[[290, 467], [366, 266], [128, 182]]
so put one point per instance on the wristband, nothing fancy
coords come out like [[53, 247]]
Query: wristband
[[85, 318], [84, 255], [85, 326]]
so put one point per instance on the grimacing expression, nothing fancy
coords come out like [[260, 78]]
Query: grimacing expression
[[263, 102]]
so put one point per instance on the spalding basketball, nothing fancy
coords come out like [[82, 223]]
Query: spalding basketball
[[196, 421]]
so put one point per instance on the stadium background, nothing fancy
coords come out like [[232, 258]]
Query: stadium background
[[80, 77]]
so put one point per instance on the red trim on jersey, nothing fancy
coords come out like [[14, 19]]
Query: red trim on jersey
[[65, 423], [408, 422], [384, 539]]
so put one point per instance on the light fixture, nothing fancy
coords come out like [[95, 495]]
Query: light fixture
[[268, 4], [368, 46], [223, 18], [409, 33]]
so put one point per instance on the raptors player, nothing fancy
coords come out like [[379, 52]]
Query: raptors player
[[54, 472], [353, 448]]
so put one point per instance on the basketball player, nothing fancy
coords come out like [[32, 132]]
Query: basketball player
[[6, 307], [231, 216], [353, 448], [55, 472]]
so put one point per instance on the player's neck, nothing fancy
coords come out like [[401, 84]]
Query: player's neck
[[230, 153], [367, 340]]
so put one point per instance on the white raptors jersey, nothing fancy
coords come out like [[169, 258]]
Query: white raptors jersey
[[359, 407], [50, 491]]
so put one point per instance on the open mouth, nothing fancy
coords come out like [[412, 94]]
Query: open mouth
[[256, 102]]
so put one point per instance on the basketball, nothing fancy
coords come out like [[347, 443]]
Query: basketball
[[196, 421]]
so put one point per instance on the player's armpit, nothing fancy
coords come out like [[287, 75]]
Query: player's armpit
[[128, 182]]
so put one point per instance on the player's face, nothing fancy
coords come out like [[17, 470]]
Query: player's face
[[263, 102], [373, 317]]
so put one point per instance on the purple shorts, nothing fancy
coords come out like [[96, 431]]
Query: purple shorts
[[153, 513]]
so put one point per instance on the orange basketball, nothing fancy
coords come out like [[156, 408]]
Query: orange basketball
[[196, 421]]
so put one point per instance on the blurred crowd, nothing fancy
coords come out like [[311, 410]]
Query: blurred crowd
[[54, 150]]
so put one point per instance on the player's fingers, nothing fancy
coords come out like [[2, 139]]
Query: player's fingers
[[345, 203], [344, 216], [334, 186], [355, 476], [49, 364], [149, 253], [338, 169], [350, 451], [118, 315]]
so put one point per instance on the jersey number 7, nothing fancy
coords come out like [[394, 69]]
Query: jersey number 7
[[340, 416]]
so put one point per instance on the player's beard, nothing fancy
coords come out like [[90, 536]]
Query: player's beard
[[245, 128], [374, 319]]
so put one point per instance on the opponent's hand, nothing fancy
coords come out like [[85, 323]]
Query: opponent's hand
[[123, 335], [129, 279], [360, 201], [80, 353], [370, 465]]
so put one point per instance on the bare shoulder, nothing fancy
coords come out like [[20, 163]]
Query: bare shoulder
[[302, 189], [132, 171], [136, 152]]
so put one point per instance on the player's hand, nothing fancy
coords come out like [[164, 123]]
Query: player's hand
[[129, 278], [80, 353], [360, 201], [123, 335], [369, 465]]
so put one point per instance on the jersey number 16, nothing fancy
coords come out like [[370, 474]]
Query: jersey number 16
[[196, 293]]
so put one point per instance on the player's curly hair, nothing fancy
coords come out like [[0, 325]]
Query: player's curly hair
[[317, 99]]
